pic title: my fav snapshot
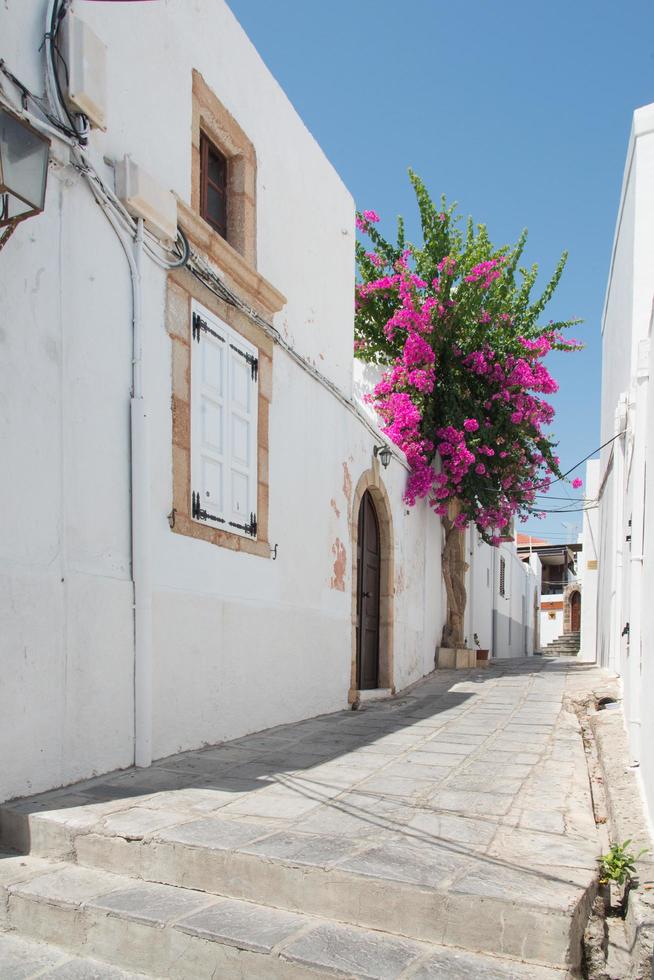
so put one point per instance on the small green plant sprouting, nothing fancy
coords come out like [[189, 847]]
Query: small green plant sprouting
[[619, 864], [476, 640]]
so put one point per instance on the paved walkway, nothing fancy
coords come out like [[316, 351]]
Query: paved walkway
[[456, 820]]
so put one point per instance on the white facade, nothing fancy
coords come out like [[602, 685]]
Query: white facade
[[625, 613], [588, 564], [502, 606], [228, 642]]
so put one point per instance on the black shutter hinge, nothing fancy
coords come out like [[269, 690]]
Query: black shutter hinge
[[251, 360], [198, 324], [199, 513], [250, 528]]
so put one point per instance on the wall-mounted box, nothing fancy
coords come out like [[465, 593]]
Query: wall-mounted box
[[145, 198], [83, 73]]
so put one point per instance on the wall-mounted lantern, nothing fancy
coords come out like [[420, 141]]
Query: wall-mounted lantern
[[24, 155], [384, 454]]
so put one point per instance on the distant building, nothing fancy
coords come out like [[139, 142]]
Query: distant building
[[560, 602]]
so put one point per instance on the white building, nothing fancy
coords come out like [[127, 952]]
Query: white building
[[503, 599], [587, 566], [625, 612], [194, 523]]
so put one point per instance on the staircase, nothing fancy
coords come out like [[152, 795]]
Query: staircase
[[566, 645], [274, 858]]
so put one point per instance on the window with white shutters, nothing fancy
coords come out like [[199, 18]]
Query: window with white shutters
[[224, 402]]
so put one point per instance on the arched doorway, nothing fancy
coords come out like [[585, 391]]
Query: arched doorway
[[368, 595], [575, 612]]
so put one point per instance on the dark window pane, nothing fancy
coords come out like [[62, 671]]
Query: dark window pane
[[217, 168], [216, 212]]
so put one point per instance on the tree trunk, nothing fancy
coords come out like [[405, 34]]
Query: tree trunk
[[454, 568]]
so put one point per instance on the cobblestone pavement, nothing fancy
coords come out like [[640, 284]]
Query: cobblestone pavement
[[456, 819]]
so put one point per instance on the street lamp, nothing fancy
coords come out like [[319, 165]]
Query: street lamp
[[384, 454], [24, 155]]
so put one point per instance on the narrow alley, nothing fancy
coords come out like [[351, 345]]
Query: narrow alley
[[401, 840]]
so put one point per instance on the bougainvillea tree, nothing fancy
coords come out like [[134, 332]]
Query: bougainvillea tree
[[454, 325]]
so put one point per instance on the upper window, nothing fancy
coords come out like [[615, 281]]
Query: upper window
[[223, 184], [213, 185]]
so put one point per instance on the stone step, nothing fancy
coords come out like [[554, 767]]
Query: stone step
[[168, 931], [27, 959], [420, 886]]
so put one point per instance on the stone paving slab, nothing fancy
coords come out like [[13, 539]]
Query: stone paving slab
[[472, 785]]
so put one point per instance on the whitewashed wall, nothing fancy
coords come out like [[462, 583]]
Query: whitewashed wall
[[503, 624], [240, 642], [626, 526], [513, 612], [588, 564]]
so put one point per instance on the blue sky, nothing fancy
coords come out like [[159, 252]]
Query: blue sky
[[519, 111]]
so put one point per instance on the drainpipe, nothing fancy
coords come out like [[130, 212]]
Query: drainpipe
[[618, 537], [634, 613], [141, 564]]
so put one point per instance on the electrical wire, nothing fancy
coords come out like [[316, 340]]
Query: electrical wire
[[599, 449], [39, 102]]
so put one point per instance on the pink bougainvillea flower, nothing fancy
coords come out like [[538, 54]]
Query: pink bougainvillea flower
[[464, 374], [577, 483]]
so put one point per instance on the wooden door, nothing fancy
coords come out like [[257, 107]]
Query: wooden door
[[369, 567], [575, 612]]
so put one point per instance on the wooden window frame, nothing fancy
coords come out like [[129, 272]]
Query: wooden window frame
[[208, 147]]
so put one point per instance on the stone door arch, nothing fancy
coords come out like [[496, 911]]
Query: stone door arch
[[572, 608], [370, 483]]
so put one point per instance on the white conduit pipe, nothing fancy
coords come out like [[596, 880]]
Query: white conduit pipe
[[141, 551], [140, 512]]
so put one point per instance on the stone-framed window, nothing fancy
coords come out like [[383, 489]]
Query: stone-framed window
[[214, 127], [184, 291]]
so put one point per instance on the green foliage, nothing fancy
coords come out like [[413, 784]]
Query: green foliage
[[619, 864]]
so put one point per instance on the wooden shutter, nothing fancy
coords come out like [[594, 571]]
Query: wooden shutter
[[224, 403]]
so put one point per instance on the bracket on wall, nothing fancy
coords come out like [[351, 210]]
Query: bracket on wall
[[273, 552]]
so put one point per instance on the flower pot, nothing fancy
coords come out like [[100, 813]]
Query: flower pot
[[482, 655]]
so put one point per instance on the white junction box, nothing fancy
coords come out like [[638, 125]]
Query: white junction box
[[83, 76], [145, 198]]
